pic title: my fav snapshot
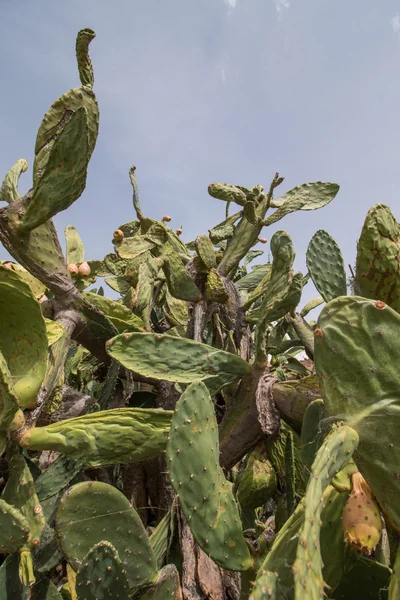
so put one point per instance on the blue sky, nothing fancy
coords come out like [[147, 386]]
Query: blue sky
[[214, 90]]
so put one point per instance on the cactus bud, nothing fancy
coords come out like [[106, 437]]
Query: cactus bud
[[43, 298], [362, 522], [8, 265], [84, 269], [73, 269], [118, 236], [179, 230], [262, 240], [166, 219]]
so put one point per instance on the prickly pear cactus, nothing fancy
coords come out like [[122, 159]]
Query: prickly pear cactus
[[23, 339], [204, 494], [102, 575], [356, 353], [326, 267], [378, 266], [93, 512]]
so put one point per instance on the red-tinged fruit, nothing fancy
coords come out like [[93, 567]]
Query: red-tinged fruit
[[73, 269], [84, 269]]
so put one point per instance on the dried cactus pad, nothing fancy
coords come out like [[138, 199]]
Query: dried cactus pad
[[205, 495], [23, 339], [357, 353], [93, 512]]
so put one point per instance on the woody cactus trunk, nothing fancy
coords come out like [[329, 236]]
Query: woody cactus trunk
[[196, 438]]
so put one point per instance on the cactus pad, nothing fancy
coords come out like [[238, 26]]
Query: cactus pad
[[331, 457], [94, 512], [258, 481], [23, 339], [309, 196], [175, 359], [102, 575], [356, 356], [326, 267], [205, 495], [14, 531], [378, 266], [168, 585], [121, 435]]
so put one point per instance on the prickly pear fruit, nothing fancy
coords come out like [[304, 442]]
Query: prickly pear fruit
[[179, 230], [74, 270], [166, 218], [84, 269], [262, 240], [362, 522], [118, 236]]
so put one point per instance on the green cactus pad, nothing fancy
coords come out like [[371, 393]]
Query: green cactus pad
[[39, 251], [132, 247], [333, 455], [120, 316], [326, 267], [54, 331], [205, 250], [20, 492], [102, 575], [309, 196], [180, 284], [56, 477], [205, 495], [357, 354], [14, 531], [394, 585], [75, 253], [37, 287], [11, 587], [8, 400], [168, 585], [378, 266], [215, 287], [174, 359], [311, 433], [121, 435], [93, 512], [64, 107], [23, 339], [227, 192], [64, 178], [258, 481], [9, 187], [266, 587], [85, 68]]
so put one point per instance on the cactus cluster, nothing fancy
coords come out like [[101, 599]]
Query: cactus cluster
[[174, 442]]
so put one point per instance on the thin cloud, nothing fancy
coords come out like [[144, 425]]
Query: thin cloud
[[395, 23], [231, 3], [282, 7]]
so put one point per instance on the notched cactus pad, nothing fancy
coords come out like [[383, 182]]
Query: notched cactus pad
[[93, 512], [205, 495]]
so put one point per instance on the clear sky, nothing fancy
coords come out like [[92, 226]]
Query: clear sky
[[193, 92]]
